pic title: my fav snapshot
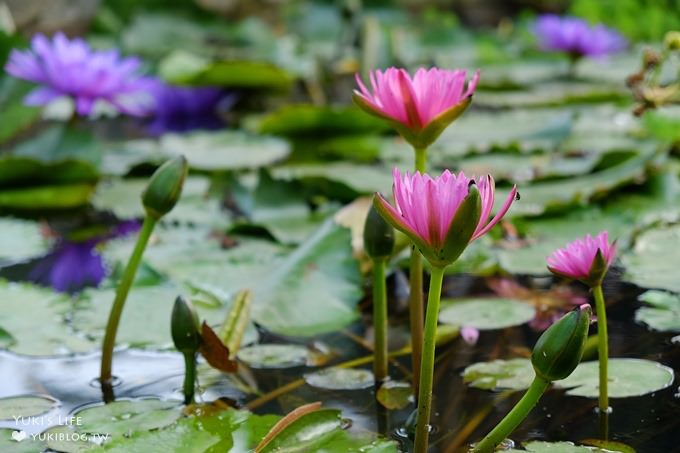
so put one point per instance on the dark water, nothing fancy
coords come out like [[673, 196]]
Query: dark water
[[648, 423]]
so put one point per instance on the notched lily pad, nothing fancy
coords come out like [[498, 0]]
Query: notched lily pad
[[651, 258], [395, 395], [486, 313], [513, 374], [26, 406], [538, 446], [664, 313], [336, 378], [627, 378], [274, 355]]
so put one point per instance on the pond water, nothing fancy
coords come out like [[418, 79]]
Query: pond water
[[460, 414]]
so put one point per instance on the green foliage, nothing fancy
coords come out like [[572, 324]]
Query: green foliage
[[658, 16]]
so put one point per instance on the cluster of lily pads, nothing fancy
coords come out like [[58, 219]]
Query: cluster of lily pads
[[251, 237]]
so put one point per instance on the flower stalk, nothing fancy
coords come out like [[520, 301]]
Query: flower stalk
[[602, 349], [427, 365]]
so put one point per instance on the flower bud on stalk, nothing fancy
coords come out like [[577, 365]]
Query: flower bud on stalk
[[165, 187], [187, 339]]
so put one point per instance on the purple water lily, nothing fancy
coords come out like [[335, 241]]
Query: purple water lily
[[72, 266], [182, 109], [71, 68], [576, 37]]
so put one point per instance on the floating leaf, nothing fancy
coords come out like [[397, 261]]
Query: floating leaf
[[48, 310], [285, 422], [19, 441], [295, 436], [25, 406], [627, 377], [126, 417], [20, 239], [651, 258], [335, 378], [303, 119], [538, 446], [664, 314], [274, 355], [486, 313], [513, 374], [181, 67], [395, 395]]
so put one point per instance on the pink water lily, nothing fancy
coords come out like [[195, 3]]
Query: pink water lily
[[442, 214], [585, 259], [419, 107]]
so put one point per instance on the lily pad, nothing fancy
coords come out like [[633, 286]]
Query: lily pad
[[512, 374], [19, 441], [395, 395], [274, 355], [225, 150], [538, 446], [335, 378], [486, 313], [48, 310], [25, 406], [627, 378], [125, 418], [20, 239], [184, 68], [651, 258], [664, 314], [302, 119]]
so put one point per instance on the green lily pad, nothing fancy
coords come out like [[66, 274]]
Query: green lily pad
[[303, 119], [19, 441], [274, 355], [184, 68], [125, 418], [538, 446], [486, 313], [627, 378], [319, 278], [512, 374], [123, 198], [354, 179], [225, 150], [395, 395], [25, 406], [651, 258], [335, 378], [664, 314], [20, 239], [17, 117], [65, 439], [48, 310]]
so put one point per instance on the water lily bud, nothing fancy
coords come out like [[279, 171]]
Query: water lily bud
[[378, 235], [558, 351], [165, 187], [184, 326], [672, 40]]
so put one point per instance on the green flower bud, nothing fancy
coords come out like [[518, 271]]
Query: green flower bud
[[165, 187], [672, 40], [184, 326], [558, 351], [378, 235]]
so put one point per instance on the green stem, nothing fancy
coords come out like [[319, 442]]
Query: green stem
[[189, 376], [514, 417], [427, 365], [415, 301], [121, 296], [602, 347], [379, 320]]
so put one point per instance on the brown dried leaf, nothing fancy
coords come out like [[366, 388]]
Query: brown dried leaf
[[215, 352]]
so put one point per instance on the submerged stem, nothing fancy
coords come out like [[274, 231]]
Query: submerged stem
[[379, 320], [427, 365], [602, 347], [514, 417], [119, 301]]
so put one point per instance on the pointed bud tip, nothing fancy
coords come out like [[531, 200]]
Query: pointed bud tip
[[184, 326], [165, 187], [378, 235]]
